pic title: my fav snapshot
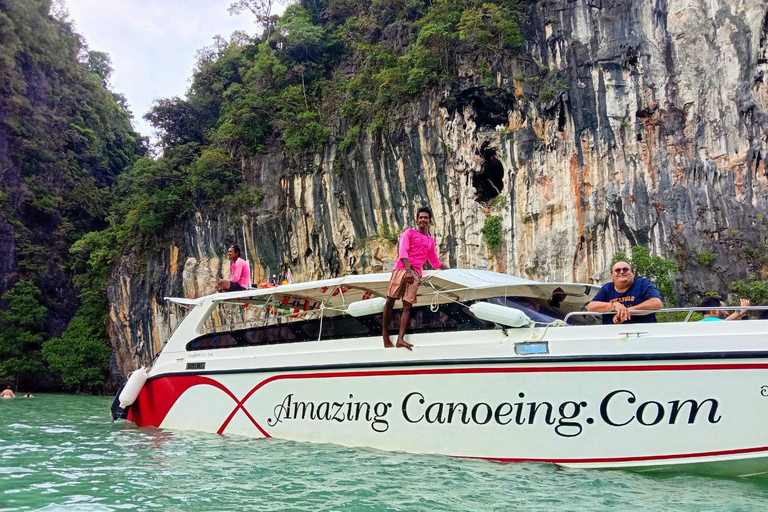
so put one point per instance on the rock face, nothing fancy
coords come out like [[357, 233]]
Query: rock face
[[621, 123]]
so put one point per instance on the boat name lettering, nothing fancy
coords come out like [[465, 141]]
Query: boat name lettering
[[651, 412], [562, 416], [345, 411], [764, 390], [619, 408], [567, 418]]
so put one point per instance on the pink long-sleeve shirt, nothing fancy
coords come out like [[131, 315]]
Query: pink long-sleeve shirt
[[240, 273], [417, 248]]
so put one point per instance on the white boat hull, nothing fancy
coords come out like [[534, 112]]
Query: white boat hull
[[608, 414]]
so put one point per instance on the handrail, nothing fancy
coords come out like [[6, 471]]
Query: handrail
[[690, 311]]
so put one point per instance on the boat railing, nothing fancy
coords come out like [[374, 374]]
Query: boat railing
[[690, 310]]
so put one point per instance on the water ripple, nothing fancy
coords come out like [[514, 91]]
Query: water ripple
[[81, 461]]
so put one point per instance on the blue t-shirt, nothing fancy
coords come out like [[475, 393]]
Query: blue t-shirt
[[711, 319], [640, 291]]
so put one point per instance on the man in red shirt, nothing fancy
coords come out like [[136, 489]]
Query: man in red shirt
[[239, 273], [416, 247]]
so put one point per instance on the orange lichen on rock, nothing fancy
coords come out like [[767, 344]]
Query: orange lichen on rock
[[173, 259], [576, 191], [546, 187]]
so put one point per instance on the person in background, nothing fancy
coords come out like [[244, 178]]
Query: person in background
[[29, 394], [721, 314], [416, 247], [239, 273], [8, 393], [625, 293]]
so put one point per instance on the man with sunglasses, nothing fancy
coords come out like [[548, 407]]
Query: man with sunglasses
[[624, 294]]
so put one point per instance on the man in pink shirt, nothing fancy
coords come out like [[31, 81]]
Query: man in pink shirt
[[416, 247], [239, 273]]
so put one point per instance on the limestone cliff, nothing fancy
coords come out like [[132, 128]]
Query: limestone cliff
[[623, 123]]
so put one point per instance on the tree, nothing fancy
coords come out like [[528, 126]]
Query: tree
[[753, 289], [213, 175], [21, 334], [491, 26], [261, 9], [81, 355], [99, 63], [177, 122], [301, 38]]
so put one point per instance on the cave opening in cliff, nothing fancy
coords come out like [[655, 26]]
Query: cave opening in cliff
[[489, 182], [561, 117]]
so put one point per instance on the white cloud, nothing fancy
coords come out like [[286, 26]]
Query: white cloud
[[153, 43]]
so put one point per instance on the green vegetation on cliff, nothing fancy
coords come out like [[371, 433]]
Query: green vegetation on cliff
[[327, 68], [64, 140], [492, 232], [21, 334]]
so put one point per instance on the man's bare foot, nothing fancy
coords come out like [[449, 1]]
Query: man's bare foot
[[388, 343], [404, 344]]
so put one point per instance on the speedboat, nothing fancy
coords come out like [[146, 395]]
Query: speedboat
[[503, 368]]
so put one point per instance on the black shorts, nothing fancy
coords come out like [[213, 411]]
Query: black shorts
[[235, 287]]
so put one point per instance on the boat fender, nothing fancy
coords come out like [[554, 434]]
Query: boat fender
[[132, 388], [367, 307], [498, 314]]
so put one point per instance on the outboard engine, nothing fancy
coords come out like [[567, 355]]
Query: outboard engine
[[118, 413]]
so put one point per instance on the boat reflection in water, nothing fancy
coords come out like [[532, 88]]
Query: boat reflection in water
[[496, 373]]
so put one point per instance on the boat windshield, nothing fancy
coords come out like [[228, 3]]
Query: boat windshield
[[538, 309]]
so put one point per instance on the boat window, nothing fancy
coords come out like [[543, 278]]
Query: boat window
[[336, 327], [270, 334], [424, 318], [448, 317], [537, 309], [216, 340]]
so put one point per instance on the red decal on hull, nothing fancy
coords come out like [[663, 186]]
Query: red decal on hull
[[158, 396]]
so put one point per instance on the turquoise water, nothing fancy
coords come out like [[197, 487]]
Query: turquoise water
[[61, 452]]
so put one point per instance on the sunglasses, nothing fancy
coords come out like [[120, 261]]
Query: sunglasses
[[622, 270]]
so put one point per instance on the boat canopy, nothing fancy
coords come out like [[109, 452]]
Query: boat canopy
[[452, 285], [184, 302]]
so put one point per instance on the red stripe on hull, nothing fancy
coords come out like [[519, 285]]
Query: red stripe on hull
[[675, 456]]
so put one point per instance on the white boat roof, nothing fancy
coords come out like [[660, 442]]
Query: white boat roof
[[450, 285]]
